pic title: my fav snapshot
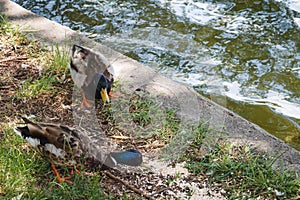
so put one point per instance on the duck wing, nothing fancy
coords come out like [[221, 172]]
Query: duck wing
[[58, 143], [67, 146]]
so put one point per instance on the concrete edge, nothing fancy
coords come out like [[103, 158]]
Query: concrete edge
[[192, 106]]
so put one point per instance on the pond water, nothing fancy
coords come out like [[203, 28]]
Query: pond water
[[244, 51]]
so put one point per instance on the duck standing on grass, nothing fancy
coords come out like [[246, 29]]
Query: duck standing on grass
[[71, 147], [90, 72]]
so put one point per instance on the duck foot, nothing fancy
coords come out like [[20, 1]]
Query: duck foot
[[75, 171], [59, 178], [114, 94], [85, 102], [79, 172]]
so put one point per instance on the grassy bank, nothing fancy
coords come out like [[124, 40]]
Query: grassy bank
[[30, 72], [36, 81]]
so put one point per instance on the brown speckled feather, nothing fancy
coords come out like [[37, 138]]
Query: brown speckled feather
[[67, 146]]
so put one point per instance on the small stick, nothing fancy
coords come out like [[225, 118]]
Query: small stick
[[13, 58], [129, 186]]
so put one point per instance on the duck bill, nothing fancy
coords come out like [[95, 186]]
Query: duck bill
[[104, 95]]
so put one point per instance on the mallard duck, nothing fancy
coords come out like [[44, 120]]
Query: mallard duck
[[72, 147], [90, 72]]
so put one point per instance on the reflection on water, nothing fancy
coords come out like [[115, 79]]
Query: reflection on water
[[245, 50]]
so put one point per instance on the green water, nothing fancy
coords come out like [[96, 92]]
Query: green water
[[245, 52]]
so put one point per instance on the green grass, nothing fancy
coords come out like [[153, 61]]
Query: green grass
[[144, 111], [242, 172], [60, 60], [54, 73], [36, 87], [14, 175], [138, 114], [53, 63], [171, 126], [13, 33]]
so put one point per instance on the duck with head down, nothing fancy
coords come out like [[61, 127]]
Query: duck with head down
[[90, 72], [73, 147]]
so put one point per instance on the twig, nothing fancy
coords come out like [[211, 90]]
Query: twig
[[13, 58], [159, 191], [129, 186], [5, 87], [153, 145]]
